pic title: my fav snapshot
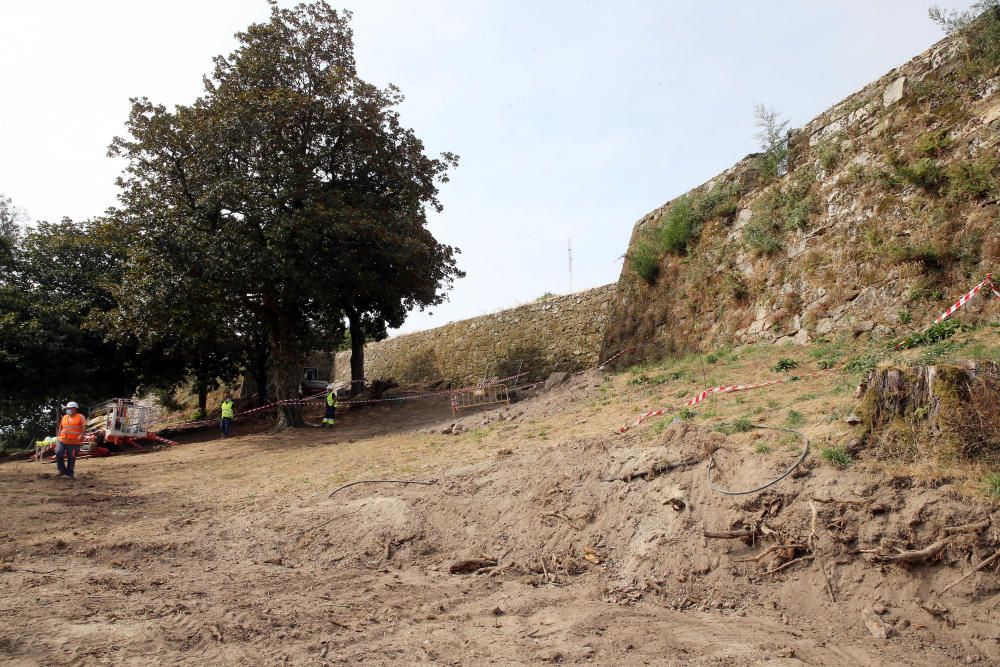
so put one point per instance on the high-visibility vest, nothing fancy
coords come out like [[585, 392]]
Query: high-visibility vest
[[227, 409], [71, 429], [331, 400]]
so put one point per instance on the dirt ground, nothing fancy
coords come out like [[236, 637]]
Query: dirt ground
[[231, 552]]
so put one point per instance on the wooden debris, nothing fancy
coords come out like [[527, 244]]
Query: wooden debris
[[729, 534], [656, 469], [967, 528], [974, 570], [789, 564], [470, 565], [911, 555], [591, 555]]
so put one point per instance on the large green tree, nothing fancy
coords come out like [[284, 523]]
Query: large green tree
[[54, 346], [270, 188]]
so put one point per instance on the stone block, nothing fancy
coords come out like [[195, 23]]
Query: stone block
[[893, 92]]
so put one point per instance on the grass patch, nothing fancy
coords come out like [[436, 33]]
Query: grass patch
[[762, 448], [991, 485], [795, 419], [837, 456], [742, 424]]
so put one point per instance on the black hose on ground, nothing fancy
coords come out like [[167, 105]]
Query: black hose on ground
[[802, 457]]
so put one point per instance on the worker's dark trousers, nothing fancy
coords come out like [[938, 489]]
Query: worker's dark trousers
[[227, 423], [67, 452]]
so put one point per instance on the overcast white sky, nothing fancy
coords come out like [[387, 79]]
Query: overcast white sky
[[572, 118]]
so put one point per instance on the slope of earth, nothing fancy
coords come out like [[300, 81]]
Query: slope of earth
[[232, 552]]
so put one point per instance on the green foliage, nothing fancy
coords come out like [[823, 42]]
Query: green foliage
[[795, 419], [725, 428], [779, 210], [544, 296], [743, 424], [761, 235], [772, 134], [864, 363], [904, 315], [980, 25], [784, 364], [933, 144], [828, 154], [644, 379], [927, 254], [762, 448], [836, 455], [686, 414], [991, 485], [644, 259], [924, 173], [289, 190], [932, 334], [720, 201], [677, 226], [972, 179]]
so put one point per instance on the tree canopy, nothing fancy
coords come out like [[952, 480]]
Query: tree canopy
[[289, 189]]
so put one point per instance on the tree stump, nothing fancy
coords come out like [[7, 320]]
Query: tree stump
[[945, 412]]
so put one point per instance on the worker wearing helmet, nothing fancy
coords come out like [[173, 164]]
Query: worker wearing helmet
[[331, 407], [71, 428], [227, 414]]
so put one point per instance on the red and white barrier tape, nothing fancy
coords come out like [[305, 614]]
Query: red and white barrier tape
[[965, 298], [701, 396], [613, 357], [309, 401], [955, 307]]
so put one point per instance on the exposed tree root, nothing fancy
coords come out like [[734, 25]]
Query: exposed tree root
[[974, 570], [909, 555]]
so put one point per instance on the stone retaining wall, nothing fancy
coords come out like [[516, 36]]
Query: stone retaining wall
[[559, 333]]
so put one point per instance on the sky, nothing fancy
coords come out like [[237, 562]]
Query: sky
[[572, 118]]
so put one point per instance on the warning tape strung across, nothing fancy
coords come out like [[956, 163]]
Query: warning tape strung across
[[310, 400], [964, 299], [726, 389], [968, 297]]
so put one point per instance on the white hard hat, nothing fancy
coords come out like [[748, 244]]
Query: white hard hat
[[72, 404], [329, 387]]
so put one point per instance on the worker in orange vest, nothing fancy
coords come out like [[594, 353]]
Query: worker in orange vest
[[71, 428]]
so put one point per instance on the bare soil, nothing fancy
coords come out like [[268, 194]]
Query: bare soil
[[232, 552]]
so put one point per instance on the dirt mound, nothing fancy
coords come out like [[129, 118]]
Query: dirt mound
[[596, 510]]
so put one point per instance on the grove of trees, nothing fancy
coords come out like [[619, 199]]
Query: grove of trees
[[283, 207]]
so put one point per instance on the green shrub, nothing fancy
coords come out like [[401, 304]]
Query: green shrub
[[760, 235], [677, 226], [932, 334], [742, 425], [644, 260], [828, 154], [685, 414], [837, 456], [720, 201], [933, 144], [784, 364], [772, 133], [762, 448], [905, 317], [926, 254], [924, 173], [972, 179]]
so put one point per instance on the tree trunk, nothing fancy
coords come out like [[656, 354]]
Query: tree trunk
[[287, 372], [357, 352], [944, 412], [202, 398], [259, 373]]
